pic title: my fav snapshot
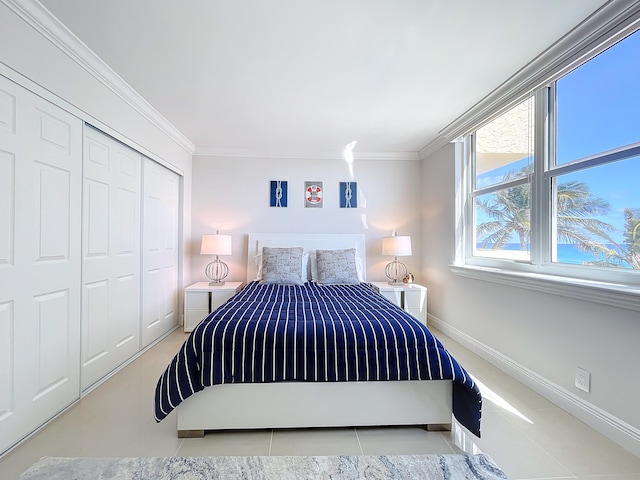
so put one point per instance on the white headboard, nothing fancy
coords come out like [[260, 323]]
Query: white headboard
[[308, 241]]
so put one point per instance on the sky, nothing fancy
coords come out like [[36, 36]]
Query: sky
[[598, 108]]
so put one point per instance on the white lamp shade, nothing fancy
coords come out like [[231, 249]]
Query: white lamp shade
[[396, 246], [216, 244]]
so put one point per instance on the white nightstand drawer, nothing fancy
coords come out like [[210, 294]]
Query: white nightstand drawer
[[394, 296], [197, 300], [412, 298], [194, 317], [201, 299], [218, 298], [415, 299]]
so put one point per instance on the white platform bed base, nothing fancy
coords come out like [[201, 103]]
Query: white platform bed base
[[322, 404], [325, 404]]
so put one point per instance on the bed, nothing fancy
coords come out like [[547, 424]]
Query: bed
[[313, 355]]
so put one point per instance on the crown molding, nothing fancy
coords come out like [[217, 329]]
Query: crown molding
[[432, 147], [45, 23], [314, 155]]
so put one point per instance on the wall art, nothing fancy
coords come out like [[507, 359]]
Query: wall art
[[348, 194], [313, 195], [278, 193]]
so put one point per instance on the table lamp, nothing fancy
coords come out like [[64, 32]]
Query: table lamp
[[396, 246], [216, 245]]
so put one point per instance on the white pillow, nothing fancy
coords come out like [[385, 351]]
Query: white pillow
[[304, 272], [313, 267], [280, 265], [337, 267]]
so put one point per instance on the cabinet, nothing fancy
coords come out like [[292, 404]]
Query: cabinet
[[72, 235], [200, 299], [411, 297]]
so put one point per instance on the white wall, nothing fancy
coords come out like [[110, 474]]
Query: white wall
[[24, 50], [232, 195], [547, 334]]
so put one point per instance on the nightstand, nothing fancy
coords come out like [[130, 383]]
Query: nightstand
[[200, 299], [411, 297]]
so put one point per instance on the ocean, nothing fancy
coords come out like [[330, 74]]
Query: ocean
[[567, 253]]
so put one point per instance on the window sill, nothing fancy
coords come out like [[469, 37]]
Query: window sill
[[612, 294]]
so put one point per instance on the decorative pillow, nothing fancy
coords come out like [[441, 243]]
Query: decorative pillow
[[313, 267], [337, 266], [282, 265], [304, 273]]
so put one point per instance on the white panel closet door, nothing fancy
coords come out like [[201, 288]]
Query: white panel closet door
[[40, 194], [160, 253], [110, 255]]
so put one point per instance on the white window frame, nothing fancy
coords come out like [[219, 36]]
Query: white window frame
[[610, 286]]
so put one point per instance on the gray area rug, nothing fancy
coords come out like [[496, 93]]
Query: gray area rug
[[258, 468]]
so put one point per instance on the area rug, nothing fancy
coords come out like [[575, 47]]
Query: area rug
[[445, 467]]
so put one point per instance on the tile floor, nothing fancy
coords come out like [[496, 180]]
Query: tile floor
[[525, 434]]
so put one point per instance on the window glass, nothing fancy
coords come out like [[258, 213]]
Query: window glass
[[505, 145], [597, 216], [598, 104], [503, 224]]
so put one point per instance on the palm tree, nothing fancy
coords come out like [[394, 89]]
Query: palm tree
[[632, 237], [510, 213], [577, 223], [627, 253], [577, 210]]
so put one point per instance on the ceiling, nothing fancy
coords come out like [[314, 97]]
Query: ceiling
[[291, 77]]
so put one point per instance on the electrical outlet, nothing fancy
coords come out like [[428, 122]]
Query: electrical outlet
[[583, 379]]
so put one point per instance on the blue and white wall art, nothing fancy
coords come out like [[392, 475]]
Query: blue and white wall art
[[278, 193], [348, 194]]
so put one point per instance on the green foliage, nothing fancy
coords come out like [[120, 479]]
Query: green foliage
[[577, 222]]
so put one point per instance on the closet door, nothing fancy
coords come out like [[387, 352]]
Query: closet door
[[160, 258], [111, 255], [40, 194]]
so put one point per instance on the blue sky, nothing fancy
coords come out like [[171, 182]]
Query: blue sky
[[599, 109], [599, 103]]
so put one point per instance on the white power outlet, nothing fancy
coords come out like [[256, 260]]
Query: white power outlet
[[583, 379]]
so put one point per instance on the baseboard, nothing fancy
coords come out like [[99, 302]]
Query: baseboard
[[83, 394], [625, 435], [137, 355]]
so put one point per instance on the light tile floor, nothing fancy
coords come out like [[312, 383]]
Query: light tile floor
[[525, 434]]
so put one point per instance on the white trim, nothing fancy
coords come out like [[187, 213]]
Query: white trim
[[313, 155], [38, 17], [83, 394], [433, 147], [611, 294], [127, 362], [617, 430], [88, 120], [568, 52], [104, 128]]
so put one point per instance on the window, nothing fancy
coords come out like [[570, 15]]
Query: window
[[595, 175], [503, 153], [553, 181]]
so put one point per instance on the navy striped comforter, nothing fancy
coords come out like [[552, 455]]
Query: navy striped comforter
[[312, 333]]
